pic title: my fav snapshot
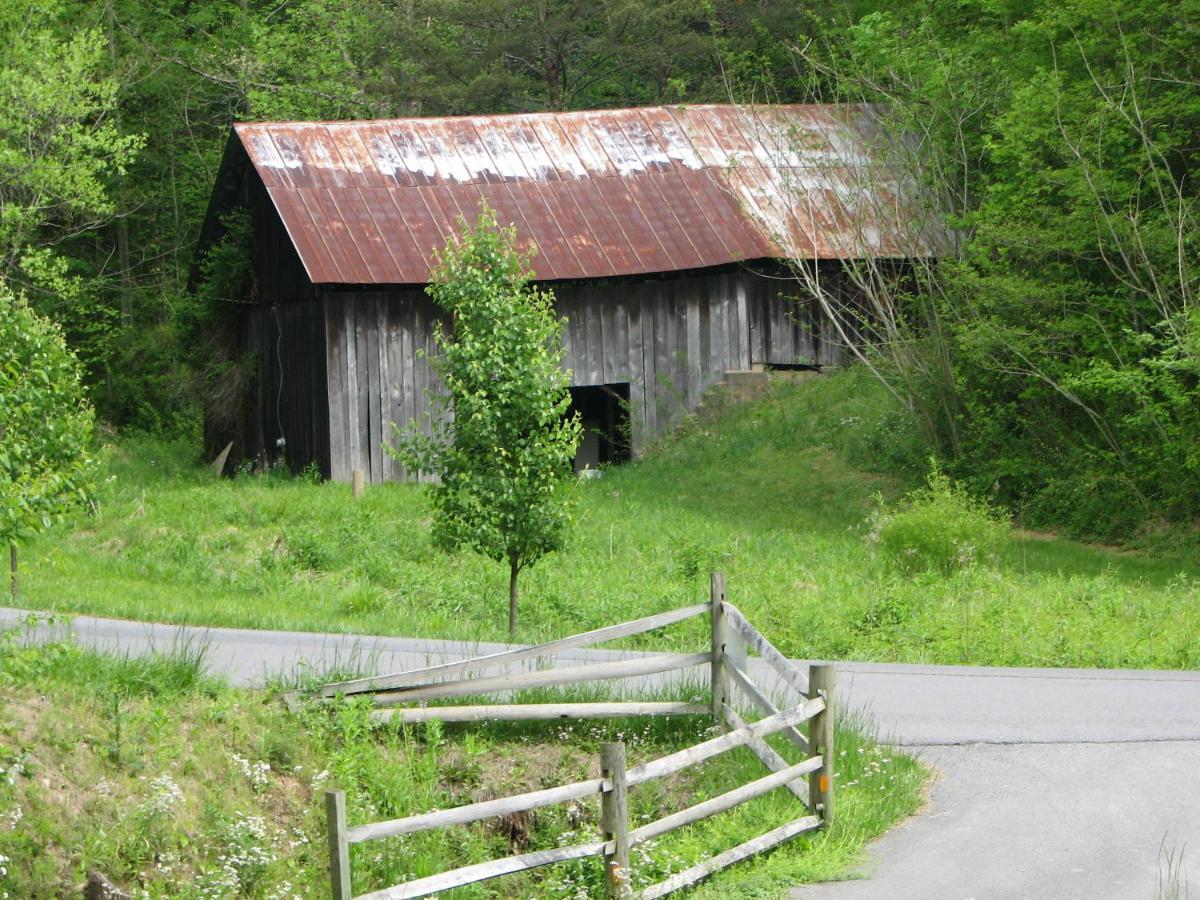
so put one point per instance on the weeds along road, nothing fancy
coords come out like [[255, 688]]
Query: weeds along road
[[1063, 783]]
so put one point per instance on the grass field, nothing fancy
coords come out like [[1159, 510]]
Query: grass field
[[776, 495], [173, 785]]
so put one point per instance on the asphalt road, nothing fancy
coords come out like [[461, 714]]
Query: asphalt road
[[1050, 783]]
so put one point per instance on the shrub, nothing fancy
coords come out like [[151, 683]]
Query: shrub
[[939, 527]]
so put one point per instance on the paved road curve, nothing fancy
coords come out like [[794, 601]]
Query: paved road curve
[[1051, 782]]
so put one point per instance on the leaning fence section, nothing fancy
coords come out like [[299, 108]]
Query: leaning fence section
[[733, 690]]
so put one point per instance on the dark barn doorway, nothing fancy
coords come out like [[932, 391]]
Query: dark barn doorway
[[604, 411]]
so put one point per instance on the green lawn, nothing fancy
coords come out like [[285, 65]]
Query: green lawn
[[776, 495]]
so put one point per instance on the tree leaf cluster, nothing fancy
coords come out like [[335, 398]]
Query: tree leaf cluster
[[45, 423]]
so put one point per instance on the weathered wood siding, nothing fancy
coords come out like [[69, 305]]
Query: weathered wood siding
[[377, 357], [275, 334], [787, 324], [670, 339]]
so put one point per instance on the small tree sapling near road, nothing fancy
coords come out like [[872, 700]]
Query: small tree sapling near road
[[45, 426], [504, 455]]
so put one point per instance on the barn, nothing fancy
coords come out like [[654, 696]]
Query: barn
[[663, 232]]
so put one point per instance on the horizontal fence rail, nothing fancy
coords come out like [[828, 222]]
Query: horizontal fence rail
[[677, 762], [725, 801], [460, 815], [724, 860], [515, 712], [507, 865], [732, 636], [507, 657], [625, 668]]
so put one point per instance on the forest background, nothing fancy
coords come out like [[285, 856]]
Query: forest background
[[1050, 359]]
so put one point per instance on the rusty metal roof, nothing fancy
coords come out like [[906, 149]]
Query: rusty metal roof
[[613, 192]]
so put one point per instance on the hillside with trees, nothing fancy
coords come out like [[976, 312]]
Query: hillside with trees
[[1050, 360]]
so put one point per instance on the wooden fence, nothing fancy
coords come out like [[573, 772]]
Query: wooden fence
[[732, 639]]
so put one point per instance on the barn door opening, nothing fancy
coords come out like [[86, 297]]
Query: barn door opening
[[604, 411]]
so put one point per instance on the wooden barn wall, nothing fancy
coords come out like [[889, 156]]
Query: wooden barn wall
[[377, 378], [287, 339], [670, 339], [788, 326]]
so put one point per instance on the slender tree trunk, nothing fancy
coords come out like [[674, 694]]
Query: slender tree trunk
[[122, 224], [514, 569], [12, 570]]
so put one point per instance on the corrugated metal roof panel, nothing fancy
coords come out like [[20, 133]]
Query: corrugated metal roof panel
[[600, 193]]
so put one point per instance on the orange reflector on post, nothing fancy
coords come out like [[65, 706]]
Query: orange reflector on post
[[823, 783]]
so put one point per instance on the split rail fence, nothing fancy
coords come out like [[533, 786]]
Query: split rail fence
[[811, 780]]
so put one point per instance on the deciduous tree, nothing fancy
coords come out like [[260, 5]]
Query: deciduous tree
[[503, 450], [45, 425]]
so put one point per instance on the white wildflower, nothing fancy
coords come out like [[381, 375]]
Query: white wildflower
[[258, 774], [164, 797]]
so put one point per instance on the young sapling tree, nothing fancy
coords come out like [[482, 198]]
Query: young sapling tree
[[503, 448], [45, 426]]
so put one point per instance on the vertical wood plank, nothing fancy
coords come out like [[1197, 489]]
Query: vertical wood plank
[[335, 365], [386, 387], [821, 682], [408, 400], [739, 325], [637, 374], [665, 360], [353, 393], [722, 684], [370, 319], [593, 300], [339, 847], [695, 355], [606, 302], [614, 820]]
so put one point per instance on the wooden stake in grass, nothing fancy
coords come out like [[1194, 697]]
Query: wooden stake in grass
[[722, 691], [359, 482], [820, 741], [339, 847], [12, 570], [614, 820]]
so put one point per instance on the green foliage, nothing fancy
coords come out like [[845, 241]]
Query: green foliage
[[503, 447], [939, 527], [45, 423], [59, 150], [1064, 330]]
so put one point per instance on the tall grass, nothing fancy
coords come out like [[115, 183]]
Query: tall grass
[[778, 495]]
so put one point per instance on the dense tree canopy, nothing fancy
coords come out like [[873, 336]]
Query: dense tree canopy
[[1064, 138]]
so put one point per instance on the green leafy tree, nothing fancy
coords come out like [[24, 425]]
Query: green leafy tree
[[59, 149], [503, 452], [1053, 363], [45, 425]]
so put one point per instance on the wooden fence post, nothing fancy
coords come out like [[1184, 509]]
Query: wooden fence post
[[339, 847], [722, 690], [359, 482], [614, 820], [821, 679]]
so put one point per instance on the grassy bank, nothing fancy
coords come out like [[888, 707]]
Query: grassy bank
[[173, 784], [777, 495]]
